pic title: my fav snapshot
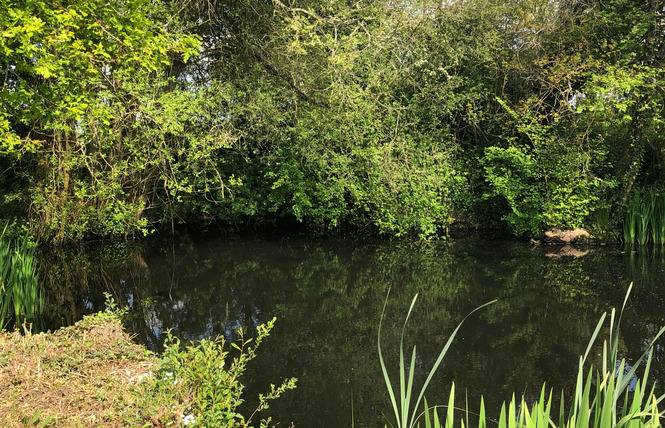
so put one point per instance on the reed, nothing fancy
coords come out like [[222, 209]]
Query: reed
[[630, 224], [642, 207], [602, 397], [21, 297], [658, 220], [644, 222], [404, 406]]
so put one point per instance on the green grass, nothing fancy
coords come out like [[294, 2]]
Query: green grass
[[602, 397]]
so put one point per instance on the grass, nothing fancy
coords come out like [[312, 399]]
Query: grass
[[92, 374], [602, 398], [87, 374]]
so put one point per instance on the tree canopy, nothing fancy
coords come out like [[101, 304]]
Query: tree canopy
[[407, 117]]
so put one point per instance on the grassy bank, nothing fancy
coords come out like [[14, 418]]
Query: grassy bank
[[92, 374], [87, 374]]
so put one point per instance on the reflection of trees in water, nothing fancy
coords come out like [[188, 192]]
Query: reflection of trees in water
[[327, 296]]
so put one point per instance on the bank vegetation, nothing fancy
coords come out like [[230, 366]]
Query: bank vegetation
[[403, 117]]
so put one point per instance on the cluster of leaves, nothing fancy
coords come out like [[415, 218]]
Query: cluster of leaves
[[93, 117]]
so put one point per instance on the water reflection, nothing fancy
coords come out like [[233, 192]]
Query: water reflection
[[328, 294]]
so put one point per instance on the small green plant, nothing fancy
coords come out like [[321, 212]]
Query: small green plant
[[202, 381], [602, 398], [602, 224], [21, 297], [35, 420]]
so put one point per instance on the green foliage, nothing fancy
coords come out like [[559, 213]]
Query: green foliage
[[21, 296], [88, 104], [333, 134], [533, 113], [203, 380], [543, 179]]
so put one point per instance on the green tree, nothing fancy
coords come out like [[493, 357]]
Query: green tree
[[91, 109]]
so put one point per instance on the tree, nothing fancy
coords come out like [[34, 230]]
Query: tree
[[91, 109]]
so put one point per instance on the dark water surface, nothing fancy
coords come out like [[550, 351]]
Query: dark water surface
[[327, 295]]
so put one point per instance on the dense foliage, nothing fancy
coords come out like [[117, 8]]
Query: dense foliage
[[404, 116]]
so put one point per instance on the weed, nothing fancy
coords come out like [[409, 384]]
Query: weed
[[202, 381]]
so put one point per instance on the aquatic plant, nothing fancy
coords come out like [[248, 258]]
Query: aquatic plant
[[629, 226], [658, 220], [644, 221], [406, 410], [602, 397], [21, 297], [602, 224]]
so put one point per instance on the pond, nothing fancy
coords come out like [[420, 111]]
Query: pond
[[327, 295]]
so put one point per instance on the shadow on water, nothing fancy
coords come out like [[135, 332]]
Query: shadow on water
[[327, 295]]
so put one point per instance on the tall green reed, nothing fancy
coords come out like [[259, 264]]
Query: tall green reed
[[603, 396], [644, 221], [405, 409], [658, 220], [630, 226], [21, 296]]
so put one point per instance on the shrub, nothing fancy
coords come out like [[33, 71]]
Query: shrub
[[201, 381]]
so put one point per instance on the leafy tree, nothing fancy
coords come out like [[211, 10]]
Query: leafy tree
[[88, 107]]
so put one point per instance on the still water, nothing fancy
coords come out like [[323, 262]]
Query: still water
[[327, 295]]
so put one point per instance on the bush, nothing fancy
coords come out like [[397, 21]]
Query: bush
[[201, 381]]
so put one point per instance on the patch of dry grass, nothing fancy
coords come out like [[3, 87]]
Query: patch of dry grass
[[86, 375]]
